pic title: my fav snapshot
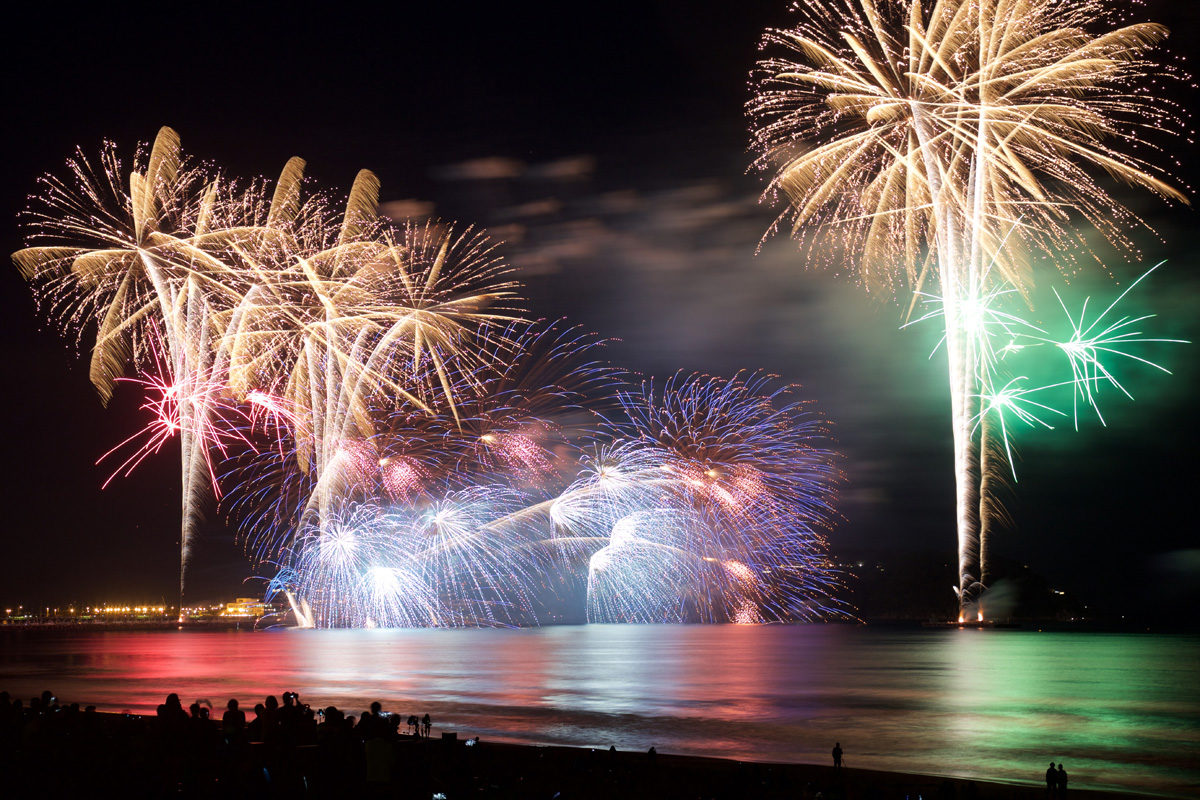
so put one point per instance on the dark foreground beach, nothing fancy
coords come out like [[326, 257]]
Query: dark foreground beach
[[288, 750]]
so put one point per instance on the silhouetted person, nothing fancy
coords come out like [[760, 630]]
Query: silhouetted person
[[1051, 779], [270, 720], [365, 729], [426, 725], [371, 723], [412, 724], [172, 719], [254, 731], [233, 722], [837, 755], [308, 726], [171, 709], [1061, 781], [291, 713]]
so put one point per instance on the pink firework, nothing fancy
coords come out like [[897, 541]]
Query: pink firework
[[171, 403], [520, 453], [403, 477], [359, 460]]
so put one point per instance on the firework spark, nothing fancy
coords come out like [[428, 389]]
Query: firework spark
[[1087, 346], [1091, 344], [708, 504]]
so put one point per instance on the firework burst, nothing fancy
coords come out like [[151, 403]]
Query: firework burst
[[712, 508], [948, 142], [396, 442]]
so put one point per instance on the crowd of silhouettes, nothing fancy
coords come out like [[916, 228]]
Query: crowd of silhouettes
[[287, 749]]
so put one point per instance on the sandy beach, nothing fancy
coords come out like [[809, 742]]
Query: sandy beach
[[72, 753]]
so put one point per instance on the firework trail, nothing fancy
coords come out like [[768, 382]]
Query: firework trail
[[367, 315], [947, 141], [1005, 339], [356, 325], [461, 559], [354, 554], [1089, 348], [616, 480], [139, 257], [1091, 344], [539, 389], [195, 402], [646, 573], [1007, 401]]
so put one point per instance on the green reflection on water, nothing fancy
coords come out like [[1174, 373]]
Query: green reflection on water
[[1020, 698]]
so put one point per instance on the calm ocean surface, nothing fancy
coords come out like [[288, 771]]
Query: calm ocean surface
[[1122, 711]]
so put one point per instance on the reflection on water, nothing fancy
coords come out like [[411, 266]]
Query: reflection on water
[[1120, 710]]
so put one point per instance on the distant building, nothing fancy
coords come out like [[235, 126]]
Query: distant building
[[246, 607]]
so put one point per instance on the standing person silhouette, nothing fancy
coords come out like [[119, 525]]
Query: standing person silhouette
[[1051, 780], [1061, 780], [837, 755], [426, 725]]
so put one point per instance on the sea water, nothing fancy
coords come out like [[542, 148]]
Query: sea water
[[1121, 711]]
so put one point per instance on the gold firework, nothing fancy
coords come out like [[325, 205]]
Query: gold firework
[[329, 311], [121, 255], [364, 316]]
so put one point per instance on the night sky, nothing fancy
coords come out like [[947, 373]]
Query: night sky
[[606, 145]]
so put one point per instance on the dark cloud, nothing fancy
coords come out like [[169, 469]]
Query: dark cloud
[[481, 169], [574, 168], [401, 210]]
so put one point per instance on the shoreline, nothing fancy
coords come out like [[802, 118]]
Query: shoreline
[[858, 781]]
